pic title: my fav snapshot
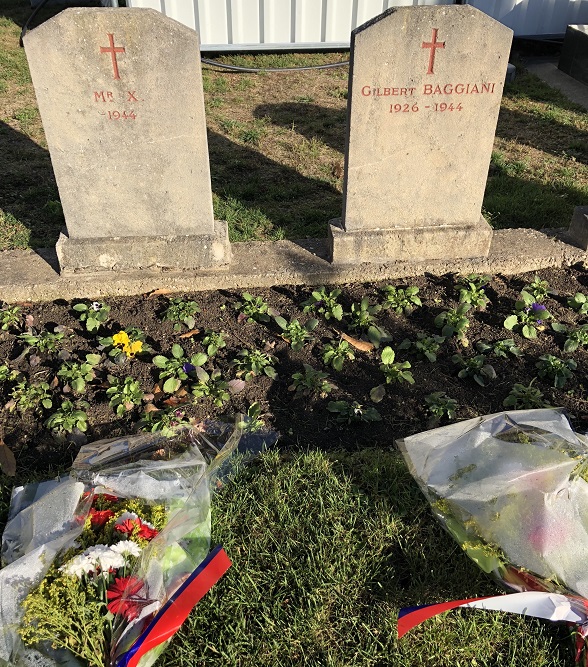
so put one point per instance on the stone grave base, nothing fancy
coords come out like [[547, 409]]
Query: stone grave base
[[129, 253], [444, 241]]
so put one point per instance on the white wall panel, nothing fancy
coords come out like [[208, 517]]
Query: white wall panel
[[287, 24]]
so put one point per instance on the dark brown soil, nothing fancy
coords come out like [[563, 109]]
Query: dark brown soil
[[303, 422]]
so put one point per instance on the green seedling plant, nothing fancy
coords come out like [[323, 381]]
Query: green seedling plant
[[178, 368], [579, 303], [453, 322], [10, 316], [295, 333], [250, 363], [353, 413], [123, 394], [476, 368], [181, 312], [167, 422], [335, 354], [529, 316], [471, 290], [254, 309], [362, 315], [92, 315], [424, 347], [76, 375], [211, 385], [440, 405], [576, 337], [559, 371], [501, 348], [311, 382], [7, 374], [68, 417], [24, 397], [213, 341], [44, 342], [252, 421], [538, 289], [402, 301], [325, 303], [395, 371], [524, 397]]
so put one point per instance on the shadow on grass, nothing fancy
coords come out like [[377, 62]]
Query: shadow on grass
[[310, 120], [20, 11]]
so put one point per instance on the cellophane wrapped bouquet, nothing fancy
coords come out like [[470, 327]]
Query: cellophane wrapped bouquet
[[512, 489], [91, 560]]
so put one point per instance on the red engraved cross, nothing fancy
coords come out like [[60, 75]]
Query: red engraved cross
[[113, 50], [433, 45]]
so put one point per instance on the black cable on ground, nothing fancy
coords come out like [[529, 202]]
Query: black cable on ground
[[238, 68], [25, 27]]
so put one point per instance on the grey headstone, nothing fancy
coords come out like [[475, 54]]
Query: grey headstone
[[424, 96], [573, 59], [121, 100]]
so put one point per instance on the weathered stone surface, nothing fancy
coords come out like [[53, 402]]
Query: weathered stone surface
[[573, 59], [425, 91], [120, 96], [579, 227]]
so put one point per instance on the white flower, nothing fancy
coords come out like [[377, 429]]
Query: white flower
[[96, 306], [127, 548], [78, 566]]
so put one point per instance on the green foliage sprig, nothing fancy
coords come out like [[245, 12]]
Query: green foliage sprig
[[10, 316], [310, 382], [254, 309], [475, 368], [77, 375], [353, 413], [524, 397], [453, 322], [579, 303], [69, 416], [529, 316], [336, 353], [559, 371], [92, 315], [471, 290], [178, 367], [33, 396], [401, 300], [295, 333], [181, 312], [325, 303], [251, 363], [500, 348], [424, 347], [576, 337], [395, 371], [123, 394], [440, 405]]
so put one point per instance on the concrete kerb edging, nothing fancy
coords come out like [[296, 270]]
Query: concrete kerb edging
[[29, 276]]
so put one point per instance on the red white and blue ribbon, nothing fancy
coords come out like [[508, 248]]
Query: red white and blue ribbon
[[175, 611], [550, 606]]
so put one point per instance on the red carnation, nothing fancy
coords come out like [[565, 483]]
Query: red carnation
[[121, 602], [146, 532], [99, 518], [127, 526]]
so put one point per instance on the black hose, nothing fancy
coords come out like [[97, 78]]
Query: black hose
[[238, 68], [25, 27]]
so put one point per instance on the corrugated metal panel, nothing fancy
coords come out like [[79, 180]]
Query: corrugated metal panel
[[535, 17], [306, 24]]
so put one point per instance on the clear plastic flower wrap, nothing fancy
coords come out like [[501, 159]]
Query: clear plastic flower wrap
[[150, 495], [512, 489]]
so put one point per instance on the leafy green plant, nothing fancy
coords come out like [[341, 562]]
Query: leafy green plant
[[523, 397], [7, 374], [559, 371], [350, 413], [254, 309], [45, 341], [93, 314], [475, 368], [453, 322], [123, 394], [76, 375], [68, 417], [440, 405], [295, 333], [26, 396], [252, 421], [335, 354], [424, 347], [167, 422], [362, 315], [471, 290], [395, 371], [538, 289], [253, 362], [579, 303], [325, 303], [576, 337], [401, 300], [178, 367], [310, 383], [211, 385], [10, 316], [181, 312], [501, 348], [213, 341], [529, 316]]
